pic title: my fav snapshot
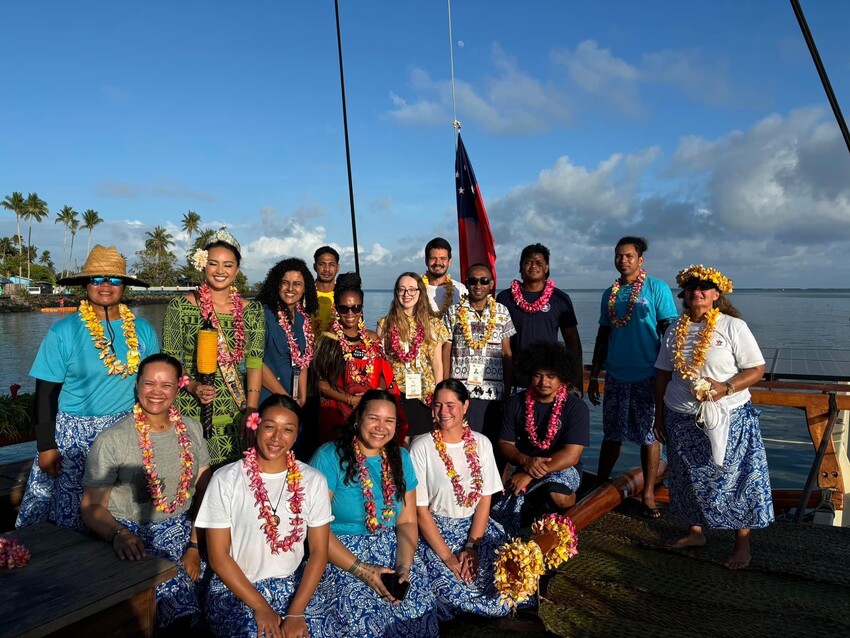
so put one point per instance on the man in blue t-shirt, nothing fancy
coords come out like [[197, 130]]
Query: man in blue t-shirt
[[635, 312], [540, 311]]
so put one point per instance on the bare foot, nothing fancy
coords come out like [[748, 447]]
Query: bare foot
[[693, 539], [739, 559]]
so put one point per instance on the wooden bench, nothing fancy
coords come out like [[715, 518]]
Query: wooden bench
[[75, 585]]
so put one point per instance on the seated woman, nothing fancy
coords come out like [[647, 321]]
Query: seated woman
[[349, 360], [261, 586], [374, 534], [457, 474], [132, 470], [546, 427]]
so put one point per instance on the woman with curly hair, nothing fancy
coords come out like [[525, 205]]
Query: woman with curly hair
[[373, 582], [349, 360], [413, 337]]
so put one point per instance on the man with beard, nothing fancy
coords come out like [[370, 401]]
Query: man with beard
[[326, 265], [539, 311], [442, 291], [635, 311], [479, 352]]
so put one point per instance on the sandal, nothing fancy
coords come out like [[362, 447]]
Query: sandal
[[651, 512]]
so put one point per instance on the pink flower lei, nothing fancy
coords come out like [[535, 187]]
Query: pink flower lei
[[299, 360], [409, 356], [546, 295], [616, 321], [187, 460], [357, 376], [470, 449], [13, 554], [208, 312], [387, 489], [261, 499], [552, 429]]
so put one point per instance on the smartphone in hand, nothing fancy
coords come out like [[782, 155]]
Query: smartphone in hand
[[397, 588]]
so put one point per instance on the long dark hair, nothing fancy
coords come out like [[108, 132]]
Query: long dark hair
[[269, 294], [345, 444]]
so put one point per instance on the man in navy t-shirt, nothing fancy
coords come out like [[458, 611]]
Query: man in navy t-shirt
[[540, 311]]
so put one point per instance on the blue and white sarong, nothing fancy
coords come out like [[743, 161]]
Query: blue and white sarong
[[735, 495], [508, 510], [628, 411], [354, 610], [58, 500], [454, 596], [177, 597], [229, 617]]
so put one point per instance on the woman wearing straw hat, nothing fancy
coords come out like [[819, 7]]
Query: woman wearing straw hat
[[85, 370], [241, 334]]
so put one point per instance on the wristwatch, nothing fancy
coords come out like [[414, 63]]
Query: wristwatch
[[730, 389], [472, 545]]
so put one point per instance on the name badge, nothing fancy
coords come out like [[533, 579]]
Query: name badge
[[476, 374], [296, 376], [412, 385]]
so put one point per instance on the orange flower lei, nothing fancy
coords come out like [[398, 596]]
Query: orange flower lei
[[470, 449], [447, 298], [357, 376], [463, 318], [690, 370], [112, 363], [616, 321]]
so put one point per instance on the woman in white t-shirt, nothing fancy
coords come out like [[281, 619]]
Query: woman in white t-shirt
[[258, 513], [457, 476], [717, 462]]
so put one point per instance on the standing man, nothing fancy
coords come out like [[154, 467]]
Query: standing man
[[442, 291], [636, 311], [539, 310], [326, 265], [479, 353]]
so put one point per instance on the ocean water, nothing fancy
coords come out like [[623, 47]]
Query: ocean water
[[810, 319]]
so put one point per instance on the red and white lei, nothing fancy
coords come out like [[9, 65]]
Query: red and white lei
[[537, 306], [554, 418], [387, 489], [399, 353], [187, 459], [616, 321], [261, 499], [354, 372], [470, 449], [299, 360], [208, 312]]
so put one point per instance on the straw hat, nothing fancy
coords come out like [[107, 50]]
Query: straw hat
[[102, 262]]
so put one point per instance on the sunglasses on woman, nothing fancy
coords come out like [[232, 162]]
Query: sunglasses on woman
[[112, 281], [344, 310]]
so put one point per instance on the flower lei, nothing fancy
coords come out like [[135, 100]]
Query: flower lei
[[564, 529], [470, 449], [112, 363], [299, 360], [187, 460], [616, 321], [225, 358], [690, 370], [463, 318], [703, 273], [13, 554], [406, 356], [448, 297], [357, 375], [542, 300], [552, 429], [387, 489], [517, 570], [261, 498]]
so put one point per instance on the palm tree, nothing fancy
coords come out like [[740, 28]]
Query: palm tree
[[7, 247], [46, 260], [158, 242], [65, 216], [16, 203], [191, 225], [75, 226], [34, 208], [90, 220]]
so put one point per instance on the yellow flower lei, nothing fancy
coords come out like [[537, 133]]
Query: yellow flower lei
[[447, 298], [107, 352], [517, 583], [690, 370], [703, 273], [463, 318]]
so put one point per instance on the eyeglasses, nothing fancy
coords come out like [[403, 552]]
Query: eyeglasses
[[112, 281], [406, 292], [344, 310], [474, 281]]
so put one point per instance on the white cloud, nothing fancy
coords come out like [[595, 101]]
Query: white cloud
[[164, 187]]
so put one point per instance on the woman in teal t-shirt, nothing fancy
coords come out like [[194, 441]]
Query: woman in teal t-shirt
[[372, 487]]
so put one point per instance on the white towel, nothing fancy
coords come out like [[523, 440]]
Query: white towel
[[714, 418]]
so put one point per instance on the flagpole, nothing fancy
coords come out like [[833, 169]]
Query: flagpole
[[347, 147], [455, 123]]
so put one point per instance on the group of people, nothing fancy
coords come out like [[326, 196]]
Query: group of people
[[397, 460]]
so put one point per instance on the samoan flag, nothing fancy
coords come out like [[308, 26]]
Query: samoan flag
[[476, 238]]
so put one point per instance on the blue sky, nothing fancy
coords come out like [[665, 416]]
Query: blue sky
[[702, 126]]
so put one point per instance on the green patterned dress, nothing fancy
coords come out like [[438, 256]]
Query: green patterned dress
[[180, 337]]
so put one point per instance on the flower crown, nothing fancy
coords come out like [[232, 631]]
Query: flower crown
[[200, 256], [702, 273]]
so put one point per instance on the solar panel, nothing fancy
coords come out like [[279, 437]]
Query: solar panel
[[807, 365]]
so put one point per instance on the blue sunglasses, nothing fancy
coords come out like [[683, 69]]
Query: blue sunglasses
[[112, 281]]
